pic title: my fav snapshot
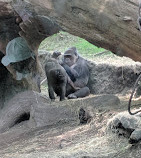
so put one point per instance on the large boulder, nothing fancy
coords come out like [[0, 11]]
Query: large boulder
[[109, 24]]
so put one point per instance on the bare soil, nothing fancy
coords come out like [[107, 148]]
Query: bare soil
[[69, 139]]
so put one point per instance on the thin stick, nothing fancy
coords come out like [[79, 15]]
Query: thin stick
[[130, 99]]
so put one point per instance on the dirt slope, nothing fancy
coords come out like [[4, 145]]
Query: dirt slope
[[69, 139]]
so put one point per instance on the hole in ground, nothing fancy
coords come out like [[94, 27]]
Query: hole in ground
[[23, 117]]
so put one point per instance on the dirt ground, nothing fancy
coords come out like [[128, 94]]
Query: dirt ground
[[71, 140]]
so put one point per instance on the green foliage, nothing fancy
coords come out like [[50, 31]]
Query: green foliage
[[87, 49], [62, 41]]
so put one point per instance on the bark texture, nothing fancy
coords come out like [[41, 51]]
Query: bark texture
[[110, 24]]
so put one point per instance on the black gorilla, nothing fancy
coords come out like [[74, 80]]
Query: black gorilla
[[77, 69], [58, 80]]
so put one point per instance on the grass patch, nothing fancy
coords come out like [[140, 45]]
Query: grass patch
[[63, 40]]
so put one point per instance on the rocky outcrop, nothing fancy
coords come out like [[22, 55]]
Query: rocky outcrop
[[126, 125]]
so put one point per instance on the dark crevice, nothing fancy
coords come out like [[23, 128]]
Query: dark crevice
[[3, 77], [117, 15], [77, 10], [23, 117], [3, 70], [126, 132]]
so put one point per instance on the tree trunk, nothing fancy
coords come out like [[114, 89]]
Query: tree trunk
[[9, 86], [109, 24]]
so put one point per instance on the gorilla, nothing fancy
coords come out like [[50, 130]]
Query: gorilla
[[77, 69], [56, 55], [58, 80]]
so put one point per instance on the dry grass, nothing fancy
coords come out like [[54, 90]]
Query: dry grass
[[114, 60]]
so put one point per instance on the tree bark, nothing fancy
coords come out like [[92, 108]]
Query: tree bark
[[9, 86], [110, 24]]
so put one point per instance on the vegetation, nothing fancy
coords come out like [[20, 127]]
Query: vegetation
[[62, 41]]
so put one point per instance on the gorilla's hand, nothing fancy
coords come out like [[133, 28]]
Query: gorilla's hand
[[56, 54], [68, 71], [76, 88]]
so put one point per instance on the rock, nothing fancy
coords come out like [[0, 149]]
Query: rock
[[126, 125], [45, 115], [94, 26], [135, 136], [125, 120], [38, 111], [53, 113]]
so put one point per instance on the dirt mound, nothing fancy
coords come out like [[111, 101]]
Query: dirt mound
[[53, 128], [109, 77], [112, 79]]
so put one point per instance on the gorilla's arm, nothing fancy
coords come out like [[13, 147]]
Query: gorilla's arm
[[51, 92], [72, 84], [73, 74]]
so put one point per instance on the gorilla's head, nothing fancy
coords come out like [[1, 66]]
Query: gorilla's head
[[70, 56]]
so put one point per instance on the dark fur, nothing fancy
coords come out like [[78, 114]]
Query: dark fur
[[77, 68], [57, 79]]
